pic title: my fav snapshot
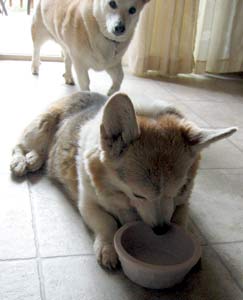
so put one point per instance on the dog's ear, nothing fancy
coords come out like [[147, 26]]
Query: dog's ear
[[202, 138], [119, 126]]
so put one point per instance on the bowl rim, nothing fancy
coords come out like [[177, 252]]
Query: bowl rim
[[123, 254]]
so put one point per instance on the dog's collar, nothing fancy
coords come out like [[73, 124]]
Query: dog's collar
[[110, 40]]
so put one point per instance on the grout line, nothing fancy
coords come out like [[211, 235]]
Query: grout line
[[66, 256], [17, 259], [44, 257], [235, 145], [225, 243], [38, 259], [240, 168]]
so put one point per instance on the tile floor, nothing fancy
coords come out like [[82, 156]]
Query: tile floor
[[45, 249]]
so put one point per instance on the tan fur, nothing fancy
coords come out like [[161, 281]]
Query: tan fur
[[84, 30], [117, 164]]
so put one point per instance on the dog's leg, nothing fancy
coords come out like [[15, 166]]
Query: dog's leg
[[104, 227], [117, 75], [39, 36], [68, 68], [82, 74]]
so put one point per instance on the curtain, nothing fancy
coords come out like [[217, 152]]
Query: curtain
[[164, 39], [219, 42], [184, 36]]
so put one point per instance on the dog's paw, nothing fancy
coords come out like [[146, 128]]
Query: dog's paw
[[18, 165], [68, 79], [35, 69], [105, 254], [33, 160]]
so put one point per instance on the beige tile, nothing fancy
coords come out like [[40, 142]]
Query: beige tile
[[60, 229], [217, 204], [232, 255], [19, 280], [83, 278], [16, 234], [218, 114], [237, 139], [191, 116], [222, 154]]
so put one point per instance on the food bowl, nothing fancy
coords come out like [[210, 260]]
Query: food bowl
[[156, 261]]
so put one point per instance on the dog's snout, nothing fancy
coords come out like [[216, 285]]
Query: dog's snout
[[161, 229], [119, 29]]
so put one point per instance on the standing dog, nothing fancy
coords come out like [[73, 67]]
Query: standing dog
[[115, 164], [92, 33]]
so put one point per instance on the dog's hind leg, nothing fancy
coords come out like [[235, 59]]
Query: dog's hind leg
[[39, 36], [32, 150]]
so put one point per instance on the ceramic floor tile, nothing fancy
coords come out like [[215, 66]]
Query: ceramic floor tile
[[16, 234], [232, 255], [237, 139], [82, 278], [222, 154], [191, 116], [19, 280], [218, 114], [60, 229], [217, 205]]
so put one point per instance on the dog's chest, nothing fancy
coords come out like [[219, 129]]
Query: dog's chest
[[106, 53]]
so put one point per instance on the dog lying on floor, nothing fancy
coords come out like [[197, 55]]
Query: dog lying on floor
[[92, 33], [115, 162]]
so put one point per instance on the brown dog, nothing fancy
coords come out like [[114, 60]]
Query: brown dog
[[117, 164]]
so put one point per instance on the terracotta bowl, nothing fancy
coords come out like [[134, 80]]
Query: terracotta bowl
[[156, 261]]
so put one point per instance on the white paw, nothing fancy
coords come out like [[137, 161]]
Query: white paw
[[35, 69], [18, 165], [33, 161], [68, 79], [105, 254]]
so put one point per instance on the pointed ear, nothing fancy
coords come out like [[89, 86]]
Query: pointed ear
[[202, 138], [119, 126]]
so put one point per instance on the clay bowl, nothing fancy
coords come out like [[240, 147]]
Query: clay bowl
[[156, 261]]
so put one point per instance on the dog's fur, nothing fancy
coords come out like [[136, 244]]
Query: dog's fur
[[85, 31], [115, 164]]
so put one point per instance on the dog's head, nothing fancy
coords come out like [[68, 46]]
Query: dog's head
[[117, 18], [151, 158]]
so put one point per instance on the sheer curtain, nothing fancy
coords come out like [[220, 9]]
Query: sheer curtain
[[184, 36], [219, 42], [164, 39]]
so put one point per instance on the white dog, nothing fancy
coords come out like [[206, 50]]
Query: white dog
[[92, 33]]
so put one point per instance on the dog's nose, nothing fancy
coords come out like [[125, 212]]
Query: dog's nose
[[119, 29], [161, 229]]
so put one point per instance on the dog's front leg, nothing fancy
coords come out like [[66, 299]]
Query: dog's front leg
[[104, 227], [117, 75], [82, 74]]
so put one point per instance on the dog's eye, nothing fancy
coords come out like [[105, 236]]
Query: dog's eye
[[132, 10], [139, 196], [113, 4]]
